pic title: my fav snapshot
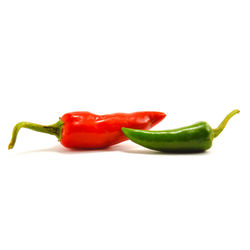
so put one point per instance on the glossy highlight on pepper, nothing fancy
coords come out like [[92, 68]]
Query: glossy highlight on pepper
[[194, 138], [85, 130]]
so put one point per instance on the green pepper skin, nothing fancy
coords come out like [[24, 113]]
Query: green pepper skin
[[194, 138]]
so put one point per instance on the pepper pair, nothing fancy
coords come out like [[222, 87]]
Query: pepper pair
[[90, 131]]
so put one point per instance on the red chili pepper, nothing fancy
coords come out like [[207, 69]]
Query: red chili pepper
[[90, 131]]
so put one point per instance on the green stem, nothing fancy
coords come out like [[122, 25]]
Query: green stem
[[223, 124], [54, 129]]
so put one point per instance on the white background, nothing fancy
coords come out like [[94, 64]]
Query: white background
[[189, 59]]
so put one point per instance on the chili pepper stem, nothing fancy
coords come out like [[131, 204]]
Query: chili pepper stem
[[223, 124], [54, 129]]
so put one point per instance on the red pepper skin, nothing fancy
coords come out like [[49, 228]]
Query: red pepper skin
[[85, 130]]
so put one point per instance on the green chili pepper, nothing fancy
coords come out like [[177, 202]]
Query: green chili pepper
[[194, 138]]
